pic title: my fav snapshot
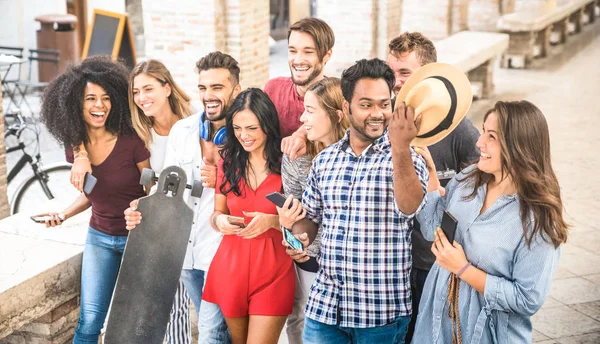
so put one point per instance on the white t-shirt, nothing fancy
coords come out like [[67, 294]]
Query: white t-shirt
[[158, 147]]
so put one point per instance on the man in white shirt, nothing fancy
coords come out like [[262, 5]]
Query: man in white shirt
[[193, 145]]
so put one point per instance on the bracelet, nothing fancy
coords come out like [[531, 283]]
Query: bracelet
[[213, 220], [464, 268], [81, 158], [80, 153]]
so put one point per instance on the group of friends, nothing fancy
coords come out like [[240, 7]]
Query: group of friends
[[364, 201]]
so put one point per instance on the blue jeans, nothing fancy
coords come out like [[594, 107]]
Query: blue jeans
[[102, 255], [212, 328], [319, 333]]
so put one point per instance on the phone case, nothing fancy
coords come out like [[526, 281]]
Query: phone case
[[277, 199], [89, 182], [291, 240], [238, 221], [449, 224]]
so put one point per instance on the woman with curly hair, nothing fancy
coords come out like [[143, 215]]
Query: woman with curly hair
[[251, 277], [485, 286], [156, 103], [88, 103]]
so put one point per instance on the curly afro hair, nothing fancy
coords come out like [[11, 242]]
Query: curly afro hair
[[62, 102]]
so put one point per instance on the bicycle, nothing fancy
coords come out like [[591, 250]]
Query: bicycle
[[46, 182]]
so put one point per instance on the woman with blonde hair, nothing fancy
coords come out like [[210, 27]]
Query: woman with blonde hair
[[156, 103], [486, 285], [325, 124]]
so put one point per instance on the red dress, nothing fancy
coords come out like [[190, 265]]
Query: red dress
[[251, 276]]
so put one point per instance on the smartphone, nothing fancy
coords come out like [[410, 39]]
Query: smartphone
[[449, 224], [278, 199], [236, 220], [89, 181], [291, 240], [43, 219]]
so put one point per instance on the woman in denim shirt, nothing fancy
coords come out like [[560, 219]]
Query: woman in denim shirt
[[510, 224]]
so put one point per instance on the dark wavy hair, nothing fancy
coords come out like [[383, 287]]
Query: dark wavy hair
[[62, 102], [525, 158], [235, 157], [366, 69]]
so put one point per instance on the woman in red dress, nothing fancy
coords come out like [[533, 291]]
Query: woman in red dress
[[251, 277]]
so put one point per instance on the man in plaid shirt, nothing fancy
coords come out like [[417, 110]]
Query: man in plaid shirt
[[364, 190]]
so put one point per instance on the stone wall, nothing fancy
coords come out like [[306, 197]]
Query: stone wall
[[40, 272]]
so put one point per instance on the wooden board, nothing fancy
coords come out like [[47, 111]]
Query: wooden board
[[110, 34]]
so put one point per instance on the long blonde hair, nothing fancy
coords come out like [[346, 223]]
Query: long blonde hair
[[329, 93], [179, 101]]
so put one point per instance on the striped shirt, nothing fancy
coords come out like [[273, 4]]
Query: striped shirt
[[518, 277], [365, 242]]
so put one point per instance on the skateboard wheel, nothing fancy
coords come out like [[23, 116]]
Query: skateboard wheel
[[197, 189], [147, 177]]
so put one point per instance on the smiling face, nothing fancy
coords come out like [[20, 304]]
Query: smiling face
[[316, 120], [489, 145], [216, 92], [403, 65], [370, 109], [303, 59], [96, 106], [247, 130], [150, 95]]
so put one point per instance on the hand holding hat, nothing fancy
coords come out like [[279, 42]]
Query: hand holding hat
[[441, 96], [402, 128]]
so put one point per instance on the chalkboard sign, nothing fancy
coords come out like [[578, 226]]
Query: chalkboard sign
[[110, 34]]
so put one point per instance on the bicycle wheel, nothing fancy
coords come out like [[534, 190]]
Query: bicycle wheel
[[30, 195]]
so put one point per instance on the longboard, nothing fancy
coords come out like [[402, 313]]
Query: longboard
[[152, 263]]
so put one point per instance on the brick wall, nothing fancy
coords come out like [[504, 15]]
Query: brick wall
[[436, 19], [362, 29], [484, 14], [248, 39], [180, 32]]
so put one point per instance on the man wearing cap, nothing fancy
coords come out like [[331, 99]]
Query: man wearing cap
[[408, 53], [364, 191]]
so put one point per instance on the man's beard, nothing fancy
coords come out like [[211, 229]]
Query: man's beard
[[317, 69], [362, 130]]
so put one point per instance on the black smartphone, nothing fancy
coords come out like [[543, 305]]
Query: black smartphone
[[278, 199], [89, 181], [43, 219], [291, 240], [449, 224]]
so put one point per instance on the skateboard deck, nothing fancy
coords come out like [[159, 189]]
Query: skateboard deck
[[151, 265]]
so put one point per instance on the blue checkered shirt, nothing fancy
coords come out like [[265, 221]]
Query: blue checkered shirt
[[366, 240]]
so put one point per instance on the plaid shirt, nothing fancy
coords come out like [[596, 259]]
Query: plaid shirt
[[365, 243]]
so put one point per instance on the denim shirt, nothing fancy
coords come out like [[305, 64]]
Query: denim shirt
[[518, 276]]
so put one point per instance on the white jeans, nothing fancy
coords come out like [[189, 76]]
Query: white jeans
[[295, 322]]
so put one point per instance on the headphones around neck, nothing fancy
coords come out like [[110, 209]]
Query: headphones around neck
[[206, 131]]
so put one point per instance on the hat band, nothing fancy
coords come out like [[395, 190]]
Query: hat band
[[447, 121]]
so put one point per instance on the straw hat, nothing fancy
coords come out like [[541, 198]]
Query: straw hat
[[442, 95]]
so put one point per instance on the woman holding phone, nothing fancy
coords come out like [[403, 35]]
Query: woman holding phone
[[251, 278], [325, 124], [486, 285], [92, 99], [156, 103]]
